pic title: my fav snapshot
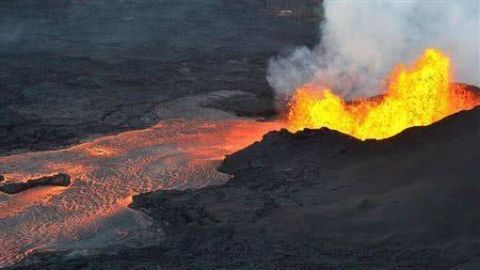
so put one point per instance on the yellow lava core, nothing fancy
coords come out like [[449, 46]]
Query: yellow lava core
[[416, 96]]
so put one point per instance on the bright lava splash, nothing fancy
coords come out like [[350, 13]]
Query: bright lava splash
[[416, 96]]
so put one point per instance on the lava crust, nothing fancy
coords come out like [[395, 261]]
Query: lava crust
[[60, 179]]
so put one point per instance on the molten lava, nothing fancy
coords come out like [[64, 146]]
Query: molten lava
[[416, 96], [106, 173]]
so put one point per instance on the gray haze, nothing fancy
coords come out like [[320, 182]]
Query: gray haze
[[363, 40]]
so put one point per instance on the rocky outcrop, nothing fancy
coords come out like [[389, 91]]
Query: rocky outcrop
[[60, 179]]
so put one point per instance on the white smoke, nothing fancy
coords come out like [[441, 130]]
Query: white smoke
[[362, 40]]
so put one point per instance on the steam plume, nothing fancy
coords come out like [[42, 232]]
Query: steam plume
[[362, 40]]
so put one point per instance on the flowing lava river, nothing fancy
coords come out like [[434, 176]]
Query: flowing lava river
[[106, 173], [179, 154]]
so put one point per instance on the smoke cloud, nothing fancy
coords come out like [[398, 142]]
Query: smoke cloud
[[361, 41]]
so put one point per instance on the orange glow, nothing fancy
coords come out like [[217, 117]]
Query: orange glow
[[106, 173], [99, 151], [417, 96]]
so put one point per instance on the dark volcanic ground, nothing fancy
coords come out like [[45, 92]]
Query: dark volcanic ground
[[319, 199], [312, 200], [73, 69]]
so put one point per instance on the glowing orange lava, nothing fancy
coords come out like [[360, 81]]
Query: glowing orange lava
[[416, 96], [106, 173]]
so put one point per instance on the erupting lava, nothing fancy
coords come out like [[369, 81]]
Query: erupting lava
[[416, 96]]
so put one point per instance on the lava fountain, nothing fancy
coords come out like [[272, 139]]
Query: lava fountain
[[178, 154], [416, 96]]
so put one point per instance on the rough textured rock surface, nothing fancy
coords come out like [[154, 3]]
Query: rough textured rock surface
[[319, 199], [70, 70], [60, 179]]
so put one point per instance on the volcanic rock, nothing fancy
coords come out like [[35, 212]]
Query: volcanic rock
[[322, 199], [60, 179], [52, 97], [319, 199]]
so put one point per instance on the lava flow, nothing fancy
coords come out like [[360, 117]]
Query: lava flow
[[416, 96], [181, 154], [106, 173]]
